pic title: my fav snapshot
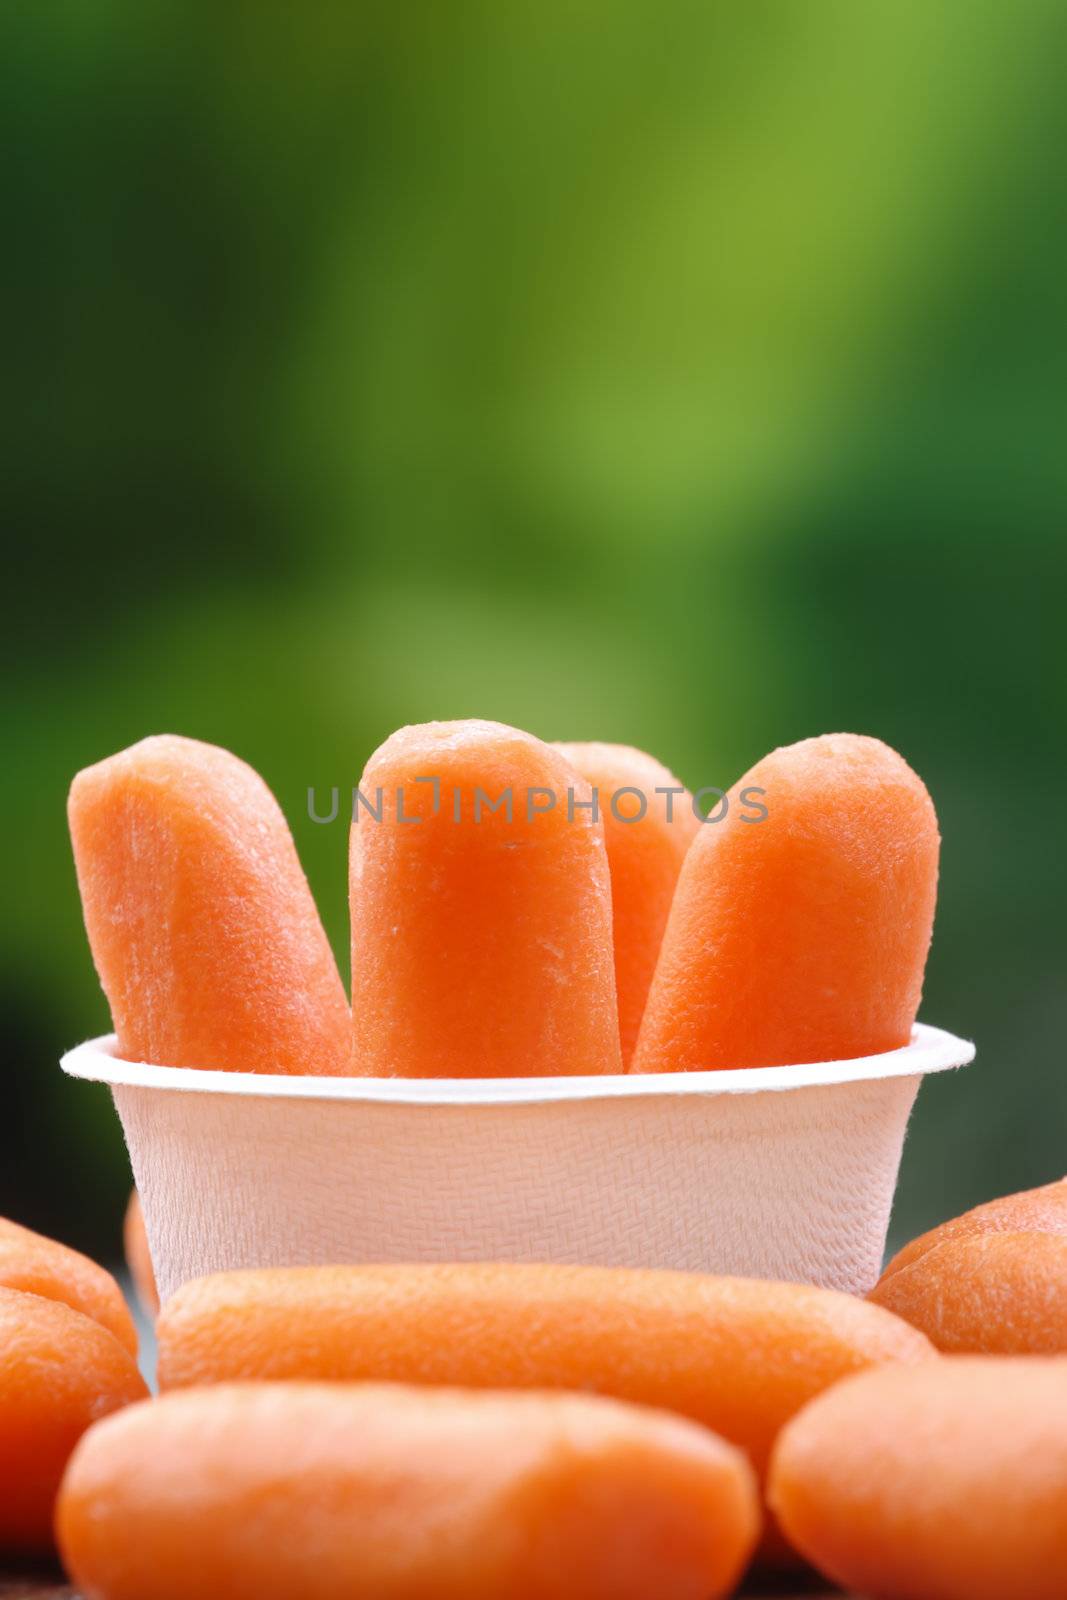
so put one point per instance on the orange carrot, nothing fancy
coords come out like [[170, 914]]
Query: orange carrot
[[947, 1482], [59, 1372], [200, 919], [320, 1492], [42, 1266], [992, 1293], [801, 936], [138, 1256], [649, 822], [738, 1355], [481, 938], [1041, 1210]]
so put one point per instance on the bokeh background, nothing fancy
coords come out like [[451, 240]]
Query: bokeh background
[[688, 374]]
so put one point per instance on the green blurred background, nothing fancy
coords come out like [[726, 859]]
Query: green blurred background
[[690, 375]]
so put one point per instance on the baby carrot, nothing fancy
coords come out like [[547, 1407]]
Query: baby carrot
[[945, 1482], [59, 1372], [802, 935], [38, 1265], [991, 1293], [1041, 1210], [481, 911], [202, 926], [649, 822], [324, 1492]]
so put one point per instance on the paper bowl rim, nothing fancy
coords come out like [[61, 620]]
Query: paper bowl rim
[[929, 1050]]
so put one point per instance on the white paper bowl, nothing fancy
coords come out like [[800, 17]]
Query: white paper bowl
[[779, 1172]]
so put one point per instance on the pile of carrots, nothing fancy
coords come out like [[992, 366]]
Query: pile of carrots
[[551, 1433], [532, 1432]]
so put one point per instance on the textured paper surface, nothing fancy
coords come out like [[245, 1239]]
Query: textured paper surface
[[779, 1183]]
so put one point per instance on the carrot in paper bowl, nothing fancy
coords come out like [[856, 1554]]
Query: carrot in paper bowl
[[649, 824], [800, 936], [201, 923], [481, 911]]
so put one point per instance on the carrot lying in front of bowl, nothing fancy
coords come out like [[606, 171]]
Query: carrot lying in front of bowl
[[991, 1294], [948, 1483], [738, 1355], [201, 922], [59, 1371], [801, 936], [37, 1265], [481, 911], [649, 823], [1042, 1210], [318, 1491]]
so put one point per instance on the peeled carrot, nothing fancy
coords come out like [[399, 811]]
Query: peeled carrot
[[42, 1266], [946, 1482], [481, 938], [138, 1256], [59, 1371], [321, 1492], [649, 822], [738, 1355], [993, 1294], [200, 919], [1041, 1210], [801, 936]]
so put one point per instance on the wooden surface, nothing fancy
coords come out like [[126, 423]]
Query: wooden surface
[[55, 1589], [45, 1585], [34, 1586]]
